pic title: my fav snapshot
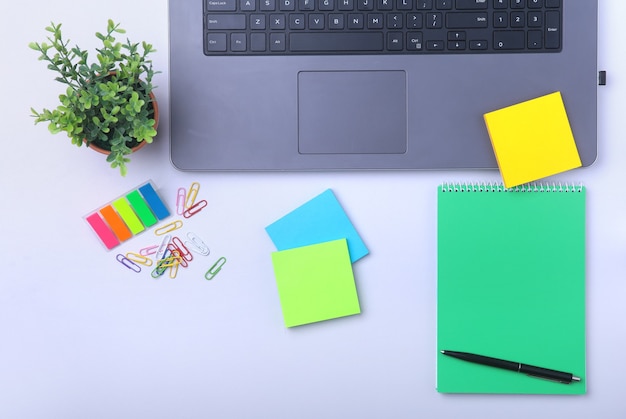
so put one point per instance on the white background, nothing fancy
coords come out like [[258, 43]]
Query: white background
[[82, 337]]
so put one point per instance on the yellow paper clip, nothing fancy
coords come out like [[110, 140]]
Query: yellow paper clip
[[128, 263], [174, 267], [138, 258], [215, 269], [181, 198], [167, 228], [192, 194], [175, 251]]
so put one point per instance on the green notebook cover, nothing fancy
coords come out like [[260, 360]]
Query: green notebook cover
[[511, 285]]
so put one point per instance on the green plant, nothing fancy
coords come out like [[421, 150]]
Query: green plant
[[107, 102]]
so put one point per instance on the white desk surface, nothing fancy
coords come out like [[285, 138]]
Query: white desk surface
[[82, 337]]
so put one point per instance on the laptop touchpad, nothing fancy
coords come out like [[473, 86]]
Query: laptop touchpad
[[352, 112]]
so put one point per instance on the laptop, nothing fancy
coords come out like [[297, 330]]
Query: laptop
[[288, 85]]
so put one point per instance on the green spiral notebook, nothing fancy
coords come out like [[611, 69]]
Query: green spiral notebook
[[511, 285]]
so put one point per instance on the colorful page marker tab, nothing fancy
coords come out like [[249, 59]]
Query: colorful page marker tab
[[127, 216], [116, 223], [532, 140], [141, 208], [102, 230], [315, 283], [154, 201], [322, 219]]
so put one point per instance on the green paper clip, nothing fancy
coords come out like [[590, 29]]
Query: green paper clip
[[215, 269]]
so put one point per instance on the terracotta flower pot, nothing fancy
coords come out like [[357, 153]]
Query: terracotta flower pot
[[155, 108]]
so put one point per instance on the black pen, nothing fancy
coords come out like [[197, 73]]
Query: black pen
[[561, 377]]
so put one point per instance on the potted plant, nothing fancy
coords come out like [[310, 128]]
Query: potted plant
[[108, 104]]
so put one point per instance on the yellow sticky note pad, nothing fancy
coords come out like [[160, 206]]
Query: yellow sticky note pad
[[532, 140]]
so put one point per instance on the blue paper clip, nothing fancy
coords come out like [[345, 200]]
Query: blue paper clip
[[215, 269], [128, 263]]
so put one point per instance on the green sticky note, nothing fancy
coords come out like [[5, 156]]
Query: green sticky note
[[315, 283], [141, 208], [511, 285]]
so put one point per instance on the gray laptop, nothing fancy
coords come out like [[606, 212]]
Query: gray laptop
[[369, 84]]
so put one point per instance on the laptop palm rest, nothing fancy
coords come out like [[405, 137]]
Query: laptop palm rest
[[352, 112]]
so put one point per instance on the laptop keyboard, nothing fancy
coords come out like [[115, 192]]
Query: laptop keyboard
[[297, 27]]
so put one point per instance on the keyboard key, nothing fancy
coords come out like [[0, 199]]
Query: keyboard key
[[414, 41], [471, 4], [424, 4], [553, 30], [456, 45], [222, 21], [535, 39], [434, 45], [394, 41], [477, 45], [257, 42], [221, 5], [238, 42], [216, 42], [336, 41], [508, 40], [278, 42], [466, 20]]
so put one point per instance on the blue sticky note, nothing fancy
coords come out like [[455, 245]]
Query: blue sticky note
[[320, 220]]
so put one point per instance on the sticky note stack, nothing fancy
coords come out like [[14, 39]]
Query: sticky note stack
[[532, 140], [317, 245]]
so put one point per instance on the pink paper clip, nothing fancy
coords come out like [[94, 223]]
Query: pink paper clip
[[184, 252], [195, 208], [181, 197], [128, 263], [149, 250]]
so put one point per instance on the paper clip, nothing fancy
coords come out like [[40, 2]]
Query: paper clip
[[181, 198], [215, 269], [176, 253], [161, 265], [174, 269], [195, 208], [184, 252], [158, 271], [149, 250], [128, 263], [192, 194], [160, 253], [138, 258], [196, 244], [169, 227]]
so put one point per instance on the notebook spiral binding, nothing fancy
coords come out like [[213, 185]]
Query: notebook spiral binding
[[499, 187]]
